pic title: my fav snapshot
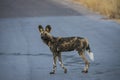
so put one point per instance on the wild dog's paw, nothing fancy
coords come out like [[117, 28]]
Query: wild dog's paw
[[65, 70], [85, 71], [52, 72]]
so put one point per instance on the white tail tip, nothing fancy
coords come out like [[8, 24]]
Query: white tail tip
[[91, 55]]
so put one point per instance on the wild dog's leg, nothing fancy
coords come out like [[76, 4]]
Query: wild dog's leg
[[82, 55], [61, 64], [54, 64]]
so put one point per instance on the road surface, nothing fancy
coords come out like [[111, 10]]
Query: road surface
[[23, 55], [33, 8]]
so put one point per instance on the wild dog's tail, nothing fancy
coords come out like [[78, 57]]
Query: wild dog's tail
[[90, 54]]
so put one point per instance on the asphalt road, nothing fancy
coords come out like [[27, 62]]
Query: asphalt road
[[33, 8], [23, 55]]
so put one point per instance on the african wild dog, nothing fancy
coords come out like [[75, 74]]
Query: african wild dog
[[63, 44]]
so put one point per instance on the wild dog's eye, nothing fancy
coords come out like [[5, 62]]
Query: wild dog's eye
[[45, 34]]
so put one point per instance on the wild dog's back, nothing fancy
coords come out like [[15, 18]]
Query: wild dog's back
[[68, 43]]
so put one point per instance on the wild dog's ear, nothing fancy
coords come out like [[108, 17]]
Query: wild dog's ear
[[40, 28], [48, 28]]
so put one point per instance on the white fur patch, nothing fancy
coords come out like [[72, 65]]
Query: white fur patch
[[91, 55]]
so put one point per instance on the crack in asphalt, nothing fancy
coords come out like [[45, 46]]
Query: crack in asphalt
[[19, 54]]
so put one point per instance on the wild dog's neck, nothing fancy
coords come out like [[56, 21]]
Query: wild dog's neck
[[53, 40], [50, 40]]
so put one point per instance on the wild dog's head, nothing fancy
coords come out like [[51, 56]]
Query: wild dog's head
[[45, 33]]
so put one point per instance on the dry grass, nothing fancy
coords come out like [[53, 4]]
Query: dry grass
[[111, 8]]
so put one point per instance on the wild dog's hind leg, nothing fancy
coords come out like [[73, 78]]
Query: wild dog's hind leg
[[61, 64], [54, 64], [82, 55]]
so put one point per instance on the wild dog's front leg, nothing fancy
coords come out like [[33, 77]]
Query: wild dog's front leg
[[54, 64], [61, 64]]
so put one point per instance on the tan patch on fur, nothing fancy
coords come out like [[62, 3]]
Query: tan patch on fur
[[65, 44]]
